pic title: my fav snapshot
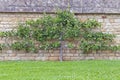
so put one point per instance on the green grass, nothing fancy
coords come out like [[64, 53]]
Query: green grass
[[75, 70]]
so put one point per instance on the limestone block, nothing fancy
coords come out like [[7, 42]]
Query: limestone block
[[113, 58], [38, 58], [21, 55], [12, 55], [76, 55], [54, 55], [90, 55], [100, 20], [12, 58], [66, 58], [117, 54], [68, 54], [9, 51], [2, 58], [75, 58], [105, 57], [31, 54], [117, 20], [53, 58], [89, 58], [118, 58], [41, 58], [27, 58]]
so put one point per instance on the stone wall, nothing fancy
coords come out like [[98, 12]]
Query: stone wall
[[77, 6], [110, 24], [53, 55], [13, 12]]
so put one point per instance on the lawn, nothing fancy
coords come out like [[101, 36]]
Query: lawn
[[73, 70]]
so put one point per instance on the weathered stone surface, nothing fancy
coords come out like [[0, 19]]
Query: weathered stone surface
[[76, 10], [57, 3], [92, 6], [66, 58], [26, 58], [111, 6], [32, 6], [9, 51], [41, 58], [10, 20], [54, 55], [77, 6], [12, 58], [90, 58], [53, 58], [76, 3]]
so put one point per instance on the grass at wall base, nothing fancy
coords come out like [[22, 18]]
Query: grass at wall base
[[49, 32], [70, 70]]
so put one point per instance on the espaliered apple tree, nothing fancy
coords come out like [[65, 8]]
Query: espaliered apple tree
[[49, 32]]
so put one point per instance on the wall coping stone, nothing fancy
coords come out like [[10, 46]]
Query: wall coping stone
[[76, 6]]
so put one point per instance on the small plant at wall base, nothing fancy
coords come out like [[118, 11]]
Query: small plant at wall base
[[50, 31]]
